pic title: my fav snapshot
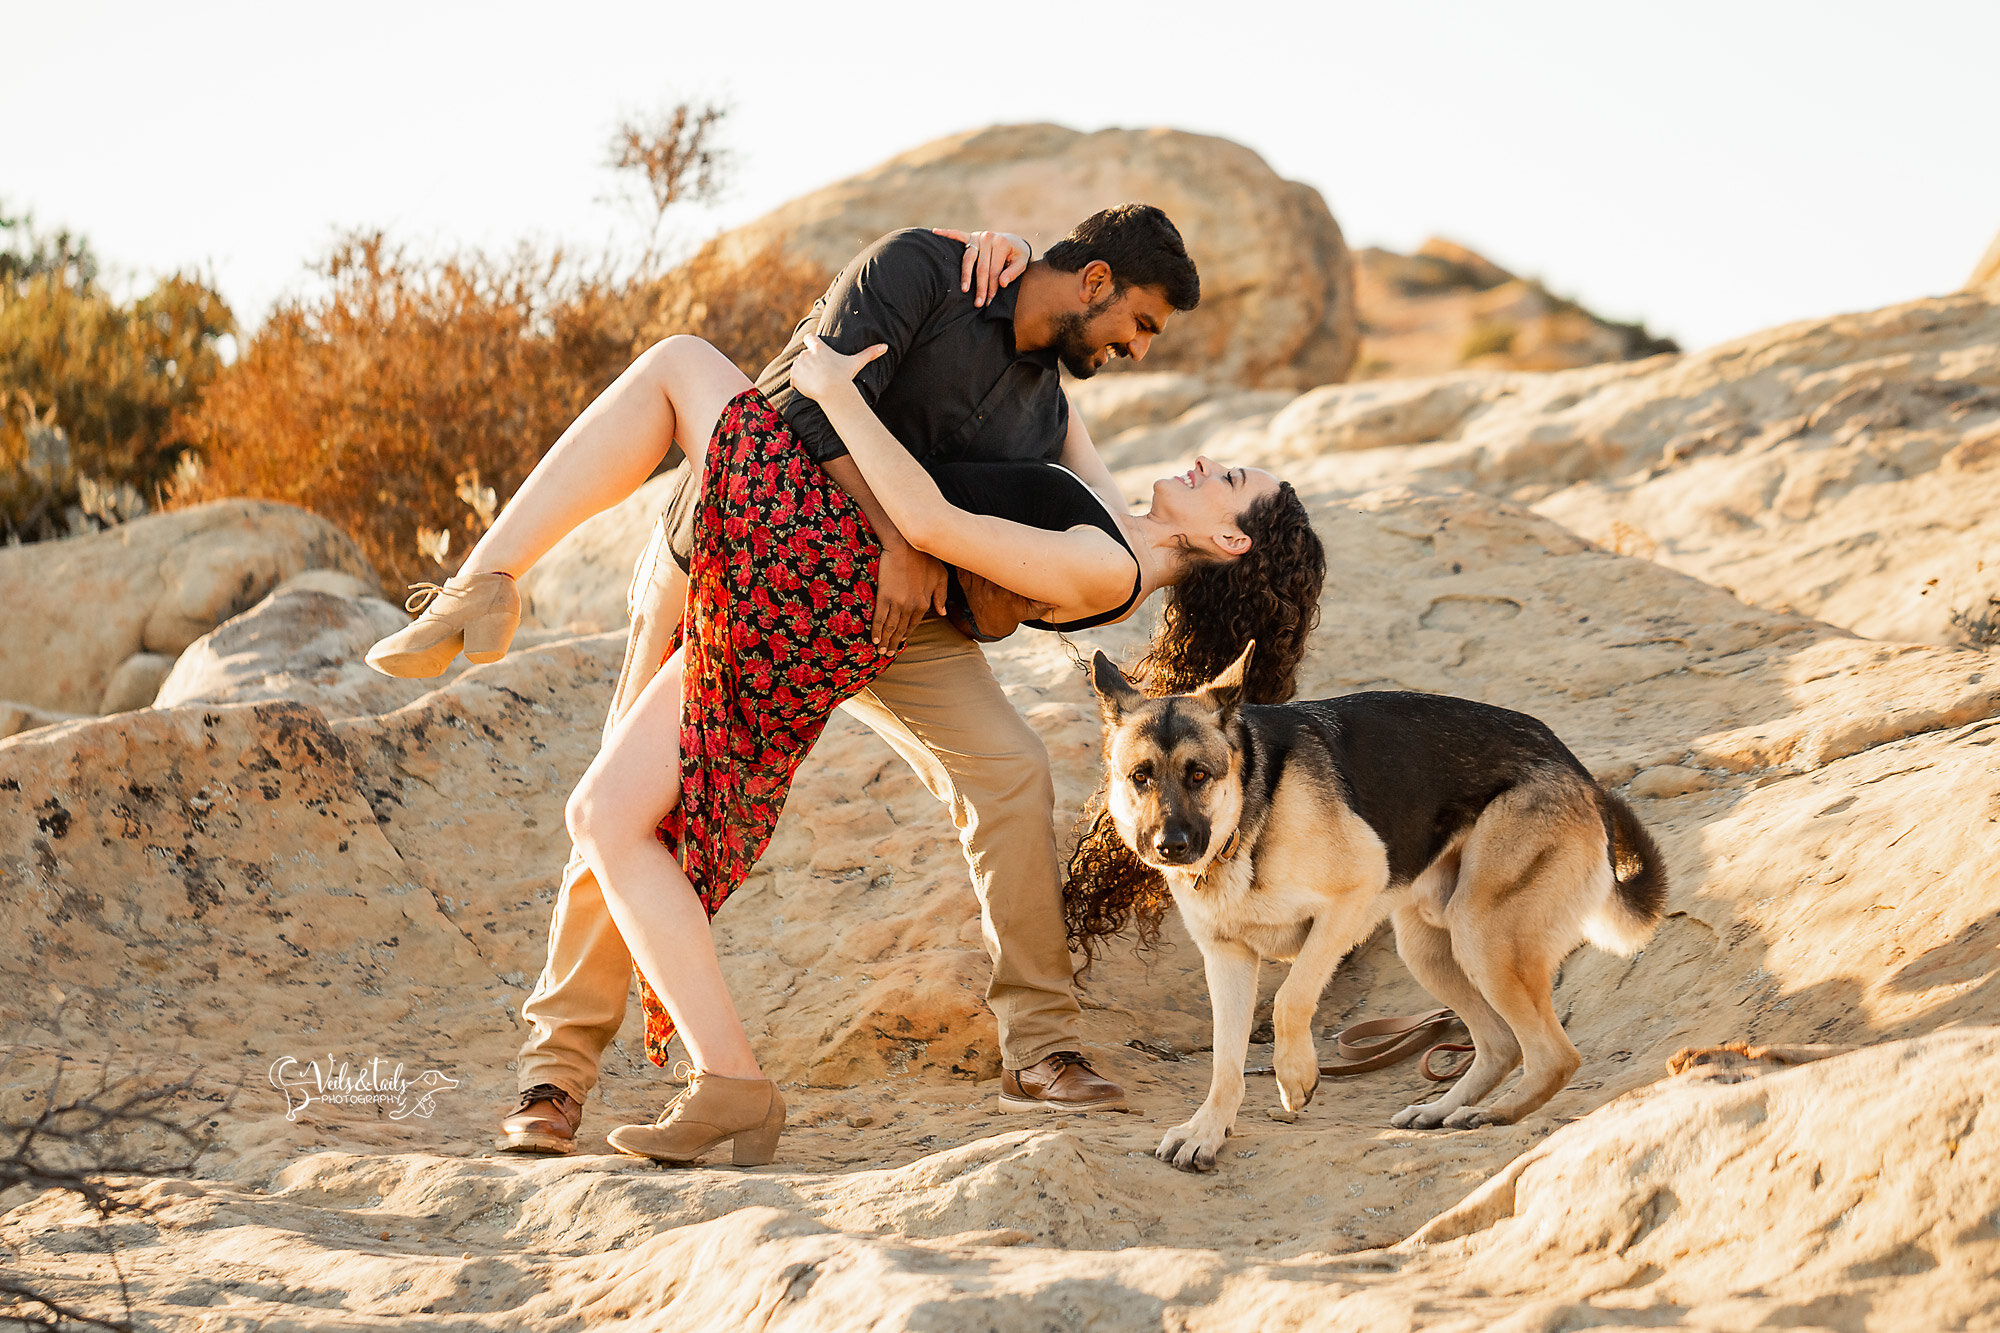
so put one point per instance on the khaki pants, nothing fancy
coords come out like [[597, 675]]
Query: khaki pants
[[940, 708]]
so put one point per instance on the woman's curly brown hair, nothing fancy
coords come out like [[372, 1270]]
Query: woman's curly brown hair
[[1269, 594]]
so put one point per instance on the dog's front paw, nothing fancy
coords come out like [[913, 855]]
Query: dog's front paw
[[1424, 1115], [1298, 1077], [1473, 1117], [1192, 1146]]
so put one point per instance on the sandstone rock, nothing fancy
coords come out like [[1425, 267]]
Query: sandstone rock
[[1211, 427], [1872, 1158], [1372, 416], [78, 609], [16, 718], [135, 682], [1277, 304], [233, 882], [1461, 266], [1446, 307], [1666, 781], [1861, 491], [1113, 404], [299, 643], [1843, 468]]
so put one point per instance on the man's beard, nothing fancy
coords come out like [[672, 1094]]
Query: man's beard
[[1074, 347]]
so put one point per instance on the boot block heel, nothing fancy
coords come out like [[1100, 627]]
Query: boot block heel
[[759, 1146], [487, 638]]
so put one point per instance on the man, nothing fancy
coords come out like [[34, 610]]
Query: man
[[965, 378]]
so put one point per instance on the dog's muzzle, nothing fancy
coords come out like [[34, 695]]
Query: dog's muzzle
[[1176, 846]]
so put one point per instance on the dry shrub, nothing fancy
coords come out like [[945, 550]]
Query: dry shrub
[[365, 404], [371, 403], [89, 386], [747, 308]]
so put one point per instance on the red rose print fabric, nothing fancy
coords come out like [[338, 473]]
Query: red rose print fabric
[[781, 595]]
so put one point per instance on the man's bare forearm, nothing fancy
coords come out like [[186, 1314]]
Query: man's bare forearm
[[848, 477]]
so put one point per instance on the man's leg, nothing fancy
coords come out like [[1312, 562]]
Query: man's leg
[[578, 1003], [941, 709]]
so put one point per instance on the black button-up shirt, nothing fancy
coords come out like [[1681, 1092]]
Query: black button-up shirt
[[951, 388]]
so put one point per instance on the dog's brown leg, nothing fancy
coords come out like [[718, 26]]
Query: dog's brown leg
[[1232, 993], [1521, 991], [1426, 951], [1529, 877], [1333, 934]]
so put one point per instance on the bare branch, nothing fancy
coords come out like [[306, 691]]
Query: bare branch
[[675, 154]]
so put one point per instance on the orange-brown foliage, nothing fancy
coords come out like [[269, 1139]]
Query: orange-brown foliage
[[366, 404], [747, 309], [88, 388]]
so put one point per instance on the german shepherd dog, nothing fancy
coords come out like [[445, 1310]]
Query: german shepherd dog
[[1288, 831]]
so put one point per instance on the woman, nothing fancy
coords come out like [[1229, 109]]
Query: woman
[[777, 633]]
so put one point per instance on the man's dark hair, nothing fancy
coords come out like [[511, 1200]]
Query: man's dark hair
[[1143, 248]]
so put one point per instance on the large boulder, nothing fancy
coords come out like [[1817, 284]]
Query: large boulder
[[1277, 305], [1446, 306], [15, 718], [305, 642], [77, 611]]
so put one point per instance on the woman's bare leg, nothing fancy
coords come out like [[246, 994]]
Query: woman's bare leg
[[628, 789], [672, 394]]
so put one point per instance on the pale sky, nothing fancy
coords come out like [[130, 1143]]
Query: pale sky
[[1713, 168]]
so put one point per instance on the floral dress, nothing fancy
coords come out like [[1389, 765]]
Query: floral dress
[[781, 599]]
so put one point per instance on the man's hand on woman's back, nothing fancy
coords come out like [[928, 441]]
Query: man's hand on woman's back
[[999, 611], [909, 584]]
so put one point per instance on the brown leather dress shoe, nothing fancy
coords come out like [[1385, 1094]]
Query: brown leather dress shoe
[[546, 1120], [1062, 1082]]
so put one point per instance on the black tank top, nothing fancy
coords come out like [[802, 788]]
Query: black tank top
[[1041, 495]]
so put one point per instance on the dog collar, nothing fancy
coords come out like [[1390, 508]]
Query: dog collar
[[1228, 850]]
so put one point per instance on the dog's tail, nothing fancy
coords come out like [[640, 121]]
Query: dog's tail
[[1638, 898]]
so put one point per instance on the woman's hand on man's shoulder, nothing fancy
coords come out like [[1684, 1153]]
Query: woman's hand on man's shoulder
[[819, 372], [992, 260]]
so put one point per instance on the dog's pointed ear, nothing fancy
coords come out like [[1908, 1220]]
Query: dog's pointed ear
[[1114, 693], [1226, 690]]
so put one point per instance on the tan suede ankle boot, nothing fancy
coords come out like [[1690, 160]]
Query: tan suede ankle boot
[[747, 1111], [476, 613]]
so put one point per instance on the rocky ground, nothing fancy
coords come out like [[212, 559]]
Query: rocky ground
[[1667, 560]]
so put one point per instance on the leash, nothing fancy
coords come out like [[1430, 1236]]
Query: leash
[[1393, 1039]]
